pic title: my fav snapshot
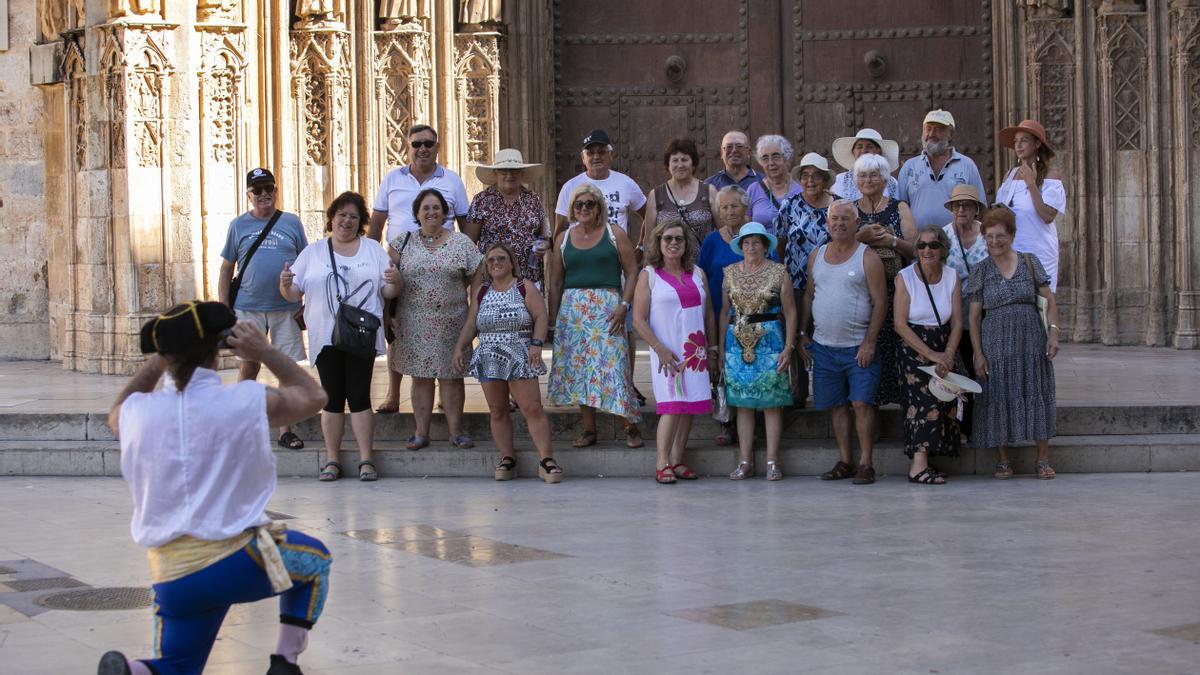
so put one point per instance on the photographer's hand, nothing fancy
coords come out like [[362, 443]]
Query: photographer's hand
[[144, 380]]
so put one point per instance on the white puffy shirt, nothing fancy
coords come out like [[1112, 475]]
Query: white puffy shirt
[[197, 462]]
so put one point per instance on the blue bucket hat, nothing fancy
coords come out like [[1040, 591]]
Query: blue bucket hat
[[752, 229]]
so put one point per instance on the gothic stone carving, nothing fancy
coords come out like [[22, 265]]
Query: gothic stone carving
[[1046, 9], [1185, 37], [321, 13], [222, 70], [1124, 49], [403, 68], [477, 88], [479, 11], [74, 72], [134, 8], [402, 14], [1050, 52], [208, 11], [136, 69], [321, 85]]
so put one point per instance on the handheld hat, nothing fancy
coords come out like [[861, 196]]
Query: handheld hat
[[947, 388], [185, 326], [508, 158], [815, 161], [939, 116], [842, 148], [753, 230], [968, 193], [1008, 135]]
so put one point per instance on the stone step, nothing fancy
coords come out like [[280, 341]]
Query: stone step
[[798, 424], [803, 457]]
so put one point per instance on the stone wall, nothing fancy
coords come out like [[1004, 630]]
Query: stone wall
[[24, 330]]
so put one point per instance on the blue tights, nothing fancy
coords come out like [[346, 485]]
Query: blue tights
[[188, 611]]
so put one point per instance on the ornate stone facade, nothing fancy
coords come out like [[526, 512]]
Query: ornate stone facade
[[151, 111]]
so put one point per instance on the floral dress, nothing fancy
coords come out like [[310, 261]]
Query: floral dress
[[752, 348], [677, 319], [432, 304], [889, 342], [803, 228], [518, 224]]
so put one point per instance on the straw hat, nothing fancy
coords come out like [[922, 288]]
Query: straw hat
[[948, 388], [507, 158], [815, 161], [842, 148], [753, 230], [965, 192], [1008, 135]]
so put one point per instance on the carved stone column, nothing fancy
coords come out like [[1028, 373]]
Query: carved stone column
[[477, 84], [320, 66], [403, 72], [222, 144], [527, 119], [1185, 81]]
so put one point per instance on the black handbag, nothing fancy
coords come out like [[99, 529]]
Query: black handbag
[[354, 328]]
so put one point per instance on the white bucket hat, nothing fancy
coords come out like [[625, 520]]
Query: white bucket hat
[[816, 161], [508, 158], [842, 148], [948, 388]]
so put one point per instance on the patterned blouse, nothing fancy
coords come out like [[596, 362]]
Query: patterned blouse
[[518, 224], [802, 227], [962, 261]]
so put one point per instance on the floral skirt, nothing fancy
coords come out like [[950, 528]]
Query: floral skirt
[[930, 425], [590, 366], [757, 385]]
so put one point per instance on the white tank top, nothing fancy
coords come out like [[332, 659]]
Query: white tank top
[[920, 312], [197, 462], [841, 300]]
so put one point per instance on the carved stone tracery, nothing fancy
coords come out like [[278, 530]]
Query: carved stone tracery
[[403, 70], [321, 85], [1123, 39], [477, 90]]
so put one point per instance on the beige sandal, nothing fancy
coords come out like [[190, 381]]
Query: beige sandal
[[506, 468], [550, 471]]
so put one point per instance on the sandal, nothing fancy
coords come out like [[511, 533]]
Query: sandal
[[928, 476], [462, 442], [506, 468], [865, 475], [665, 475], [743, 471], [387, 408], [725, 436], [1003, 471], [840, 471], [773, 470], [290, 441], [367, 472], [330, 472], [550, 471], [633, 437], [585, 439], [685, 472], [416, 442], [1044, 470], [641, 399]]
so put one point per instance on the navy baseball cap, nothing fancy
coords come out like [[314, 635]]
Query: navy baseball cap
[[597, 137], [259, 176]]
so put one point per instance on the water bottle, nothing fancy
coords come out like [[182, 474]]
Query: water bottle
[[539, 244]]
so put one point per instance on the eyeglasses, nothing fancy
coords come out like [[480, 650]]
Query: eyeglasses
[[585, 204], [424, 144], [259, 189], [996, 236], [812, 175], [935, 245], [773, 157], [672, 238], [961, 206]]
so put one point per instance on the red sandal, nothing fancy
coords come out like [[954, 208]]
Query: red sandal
[[685, 472], [665, 475]]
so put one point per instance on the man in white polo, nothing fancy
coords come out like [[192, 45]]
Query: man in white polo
[[927, 180], [393, 206]]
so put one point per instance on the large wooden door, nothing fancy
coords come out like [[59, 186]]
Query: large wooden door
[[812, 70]]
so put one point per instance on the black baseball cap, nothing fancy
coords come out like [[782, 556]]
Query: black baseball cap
[[597, 137], [259, 176]]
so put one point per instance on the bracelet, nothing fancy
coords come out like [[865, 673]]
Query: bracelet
[[1055, 327], [627, 305]]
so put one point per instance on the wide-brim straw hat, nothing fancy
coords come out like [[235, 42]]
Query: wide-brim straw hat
[[842, 148], [508, 158], [816, 161], [947, 388], [965, 193], [751, 230], [1008, 135]]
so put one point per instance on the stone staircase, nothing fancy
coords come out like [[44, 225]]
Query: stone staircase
[[1092, 439]]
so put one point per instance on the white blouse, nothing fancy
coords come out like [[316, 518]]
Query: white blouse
[[1035, 235], [198, 462], [920, 311]]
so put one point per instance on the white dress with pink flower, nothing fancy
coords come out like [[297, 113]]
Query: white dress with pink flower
[[677, 319]]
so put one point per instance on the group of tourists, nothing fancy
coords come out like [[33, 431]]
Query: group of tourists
[[887, 283]]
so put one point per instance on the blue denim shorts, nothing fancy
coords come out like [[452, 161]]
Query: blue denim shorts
[[837, 378]]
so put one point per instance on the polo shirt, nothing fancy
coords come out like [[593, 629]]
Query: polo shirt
[[926, 194], [721, 179], [399, 188]]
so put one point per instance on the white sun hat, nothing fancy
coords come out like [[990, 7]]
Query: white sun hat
[[842, 148], [948, 388]]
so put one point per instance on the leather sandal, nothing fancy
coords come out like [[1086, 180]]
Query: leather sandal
[[928, 476], [684, 472], [665, 475], [865, 475], [330, 472], [1044, 470], [588, 437], [550, 471], [840, 471], [1004, 471], [367, 472], [633, 437], [506, 468], [416, 442], [290, 441]]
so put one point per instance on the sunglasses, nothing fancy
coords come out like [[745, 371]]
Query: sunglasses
[[589, 204], [259, 189], [961, 206], [672, 238], [935, 245], [424, 144]]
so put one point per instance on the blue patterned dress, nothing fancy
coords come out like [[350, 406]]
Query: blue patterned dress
[[803, 228], [753, 349]]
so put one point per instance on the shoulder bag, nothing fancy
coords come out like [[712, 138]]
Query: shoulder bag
[[236, 284], [391, 307], [354, 328], [1038, 300]]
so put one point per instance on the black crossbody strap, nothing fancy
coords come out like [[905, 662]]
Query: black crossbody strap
[[337, 277], [932, 303]]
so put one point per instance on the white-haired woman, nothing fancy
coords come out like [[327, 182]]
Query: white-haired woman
[[847, 149], [886, 225], [774, 155]]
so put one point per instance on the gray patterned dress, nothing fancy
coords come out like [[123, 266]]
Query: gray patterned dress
[[1017, 403], [505, 329]]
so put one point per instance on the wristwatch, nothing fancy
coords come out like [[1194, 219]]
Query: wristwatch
[[894, 241], [627, 305], [536, 342]]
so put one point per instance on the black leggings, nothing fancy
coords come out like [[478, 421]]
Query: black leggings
[[346, 379]]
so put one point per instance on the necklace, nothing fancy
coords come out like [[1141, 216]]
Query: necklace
[[432, 239], [747, 270], [874, 205]]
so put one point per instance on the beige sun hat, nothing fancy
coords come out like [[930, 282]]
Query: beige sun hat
[[948, 388], [968, 193], [508, 158], [842, 148], [816, 161]]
